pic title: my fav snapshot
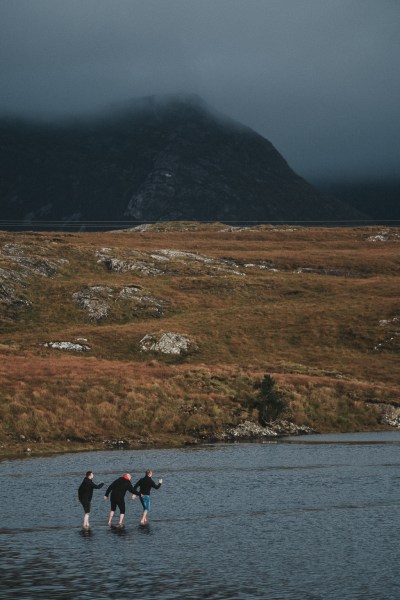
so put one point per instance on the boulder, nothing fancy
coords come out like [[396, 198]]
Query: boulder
[[284, 427], [71, 346], [391, 415], [95, 300], [101, 301], [167, 343], [249, 431]]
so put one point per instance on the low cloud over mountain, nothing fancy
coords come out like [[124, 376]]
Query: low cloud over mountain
[[158, 158]]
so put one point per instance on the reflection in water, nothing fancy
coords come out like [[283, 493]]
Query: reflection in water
[[282, 521]]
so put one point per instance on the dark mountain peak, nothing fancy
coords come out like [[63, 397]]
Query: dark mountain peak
[[155, 158], [172, 109]]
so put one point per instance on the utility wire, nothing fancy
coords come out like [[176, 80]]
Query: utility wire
[[109, 223]]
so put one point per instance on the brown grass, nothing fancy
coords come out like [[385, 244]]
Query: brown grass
[[315, 332]]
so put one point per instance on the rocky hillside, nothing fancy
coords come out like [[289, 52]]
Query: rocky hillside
[[163, 334], [155, 160]]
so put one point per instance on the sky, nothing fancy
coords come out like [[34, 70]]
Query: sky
[[319, 78]]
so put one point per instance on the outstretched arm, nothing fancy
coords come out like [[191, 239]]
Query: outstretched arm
[[131, 489], [98, 486], [136, 488]]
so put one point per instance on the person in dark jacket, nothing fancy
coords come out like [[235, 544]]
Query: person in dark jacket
[[142, 489], [118, 489], [85, 494]]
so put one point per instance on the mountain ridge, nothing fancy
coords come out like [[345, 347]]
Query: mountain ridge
[[157, 159]]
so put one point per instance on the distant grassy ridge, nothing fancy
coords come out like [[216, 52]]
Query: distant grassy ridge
[[309, 312]]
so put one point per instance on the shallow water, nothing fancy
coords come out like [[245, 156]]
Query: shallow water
[[315, 517]]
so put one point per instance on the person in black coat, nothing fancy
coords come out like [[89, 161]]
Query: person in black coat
[[85, 494], [118, 489], [142, 489]]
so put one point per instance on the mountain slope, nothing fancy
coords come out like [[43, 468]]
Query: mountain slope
[[156, 159], [89, 321]]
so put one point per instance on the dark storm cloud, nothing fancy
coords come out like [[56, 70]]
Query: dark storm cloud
[[319, 78]]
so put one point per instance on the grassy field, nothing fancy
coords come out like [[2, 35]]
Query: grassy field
[[318, 309]]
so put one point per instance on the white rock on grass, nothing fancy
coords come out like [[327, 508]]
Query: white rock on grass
[[386, 322], [98, 301], [218, 264], [71, 346], [249, 430], [143, 262], [391, 415], [167, 343], [385, 235], [95, 300], [13, 249]]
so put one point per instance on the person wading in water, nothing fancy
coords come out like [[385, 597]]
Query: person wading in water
[[118, 489], [142, 489], [85, 494]]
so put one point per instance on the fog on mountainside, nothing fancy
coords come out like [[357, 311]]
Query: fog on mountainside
[[154, 159]]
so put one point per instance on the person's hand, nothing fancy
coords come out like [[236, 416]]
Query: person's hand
[[105, 498], [134, 496], [160, 481]]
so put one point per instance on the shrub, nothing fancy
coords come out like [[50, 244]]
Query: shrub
[[270, 402]]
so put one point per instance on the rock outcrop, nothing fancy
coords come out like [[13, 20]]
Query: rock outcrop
[[253, 431], [174, 344], [76, 346], [17, 269], [284, 427], [165, 261], [249, 431], [391, 340], [101, 301], [95, 300], [118, 261], [391, 415], [385, 235]]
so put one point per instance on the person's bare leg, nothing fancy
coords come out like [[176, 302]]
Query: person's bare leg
[[121, 520], [110, 518], [144, 518], [86, 521]]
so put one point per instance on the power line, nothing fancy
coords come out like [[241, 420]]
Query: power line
[[109, 223]]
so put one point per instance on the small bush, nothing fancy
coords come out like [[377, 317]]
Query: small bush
[[270, 402]]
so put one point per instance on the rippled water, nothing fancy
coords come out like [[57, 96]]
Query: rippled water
[[312, 518]]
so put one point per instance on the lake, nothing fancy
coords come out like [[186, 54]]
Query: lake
[[313, 517]]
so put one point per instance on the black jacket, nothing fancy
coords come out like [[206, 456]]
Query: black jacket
[[144, 485], [119, 487], [85, 490]]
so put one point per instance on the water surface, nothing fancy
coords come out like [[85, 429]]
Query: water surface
[[315, 517]]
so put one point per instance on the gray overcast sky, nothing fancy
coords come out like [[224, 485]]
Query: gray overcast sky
[[319, 78]]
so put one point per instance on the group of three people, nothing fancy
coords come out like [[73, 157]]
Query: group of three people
[[117, 490]]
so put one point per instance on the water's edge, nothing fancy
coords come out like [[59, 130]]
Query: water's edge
[[27, 449]]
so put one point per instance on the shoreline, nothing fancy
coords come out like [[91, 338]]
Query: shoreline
[[170, 338], [25, 450]]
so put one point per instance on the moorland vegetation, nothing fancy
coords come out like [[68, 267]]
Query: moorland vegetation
[[286, 322]]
